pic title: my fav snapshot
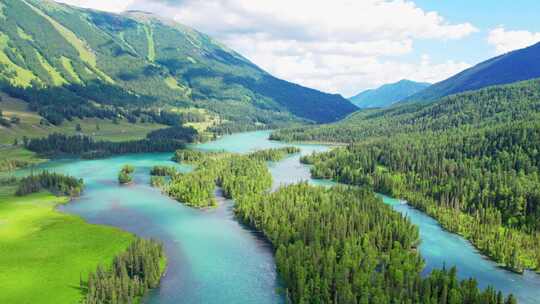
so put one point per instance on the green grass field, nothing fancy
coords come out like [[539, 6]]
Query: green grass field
[[12, 158], [44, 252], [10, 152], [99, 129]]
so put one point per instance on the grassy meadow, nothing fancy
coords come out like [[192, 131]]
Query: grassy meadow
[[12, 157], [100, 129], [45, 251]]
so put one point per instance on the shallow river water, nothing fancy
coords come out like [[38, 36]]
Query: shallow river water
[[213, 258]]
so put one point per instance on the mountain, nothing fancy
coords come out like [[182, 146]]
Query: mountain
[[511, 67], [387, 94], [493, 107], [69, 62]]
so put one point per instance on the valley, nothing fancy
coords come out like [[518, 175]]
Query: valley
[[203, 246], [144, 161]]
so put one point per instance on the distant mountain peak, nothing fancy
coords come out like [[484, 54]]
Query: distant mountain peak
[[387, 94], [514, 66]]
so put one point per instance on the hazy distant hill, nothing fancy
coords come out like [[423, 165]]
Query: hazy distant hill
[[514, 66], [388, 94], [138, 60]]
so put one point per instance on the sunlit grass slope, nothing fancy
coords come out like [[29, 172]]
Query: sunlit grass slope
[[100, 129], [44, 252]]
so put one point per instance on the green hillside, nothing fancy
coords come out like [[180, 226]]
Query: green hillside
[[68, 62], [498, 105], [470, 160]]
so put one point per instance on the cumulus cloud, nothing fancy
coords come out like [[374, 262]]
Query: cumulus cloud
[[507, 40], [348, 75], [337, 46], [343, 20]]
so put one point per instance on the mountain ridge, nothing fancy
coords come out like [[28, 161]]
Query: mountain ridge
[[387, 94], [519, 65], [138, 55]]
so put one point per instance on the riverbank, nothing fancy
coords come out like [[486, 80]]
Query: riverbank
[[445, 218], [13, 158], [513, 248], [445, 228], [213, 258], [46, 252]]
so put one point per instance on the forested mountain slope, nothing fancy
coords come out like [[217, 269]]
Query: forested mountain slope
[[470, 160], [514, 66], [70, 62], [388, 94], [486, 107]]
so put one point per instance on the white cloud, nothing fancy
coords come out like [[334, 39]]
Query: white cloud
[[341, 20], [350, 74], [116, 6], [340, 70], [505, 41], [337, 46]]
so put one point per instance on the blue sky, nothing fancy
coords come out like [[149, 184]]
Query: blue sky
[[346, 46], [485, 15]]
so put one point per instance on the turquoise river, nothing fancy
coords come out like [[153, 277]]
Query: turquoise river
[[215, 259]]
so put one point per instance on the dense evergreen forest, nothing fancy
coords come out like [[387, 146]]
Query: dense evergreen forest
[[275, 154], [129, 278], [87, 147], [235, 174], [343, 245], [488, 107], [163, 171], [53, 182], [333, 245], [470, 160], [192, 156], [176, 133], [483, 184]]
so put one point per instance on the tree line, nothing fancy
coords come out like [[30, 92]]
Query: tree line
[[470, 160], [192, 156], [89, 148], [235, 174], [343, 245], [163, 171], [482, 184], [54, 182], [334, 245], [274, 154], [491, 106], [178, 133], [131, 275]]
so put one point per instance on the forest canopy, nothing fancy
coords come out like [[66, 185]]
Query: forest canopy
[[469, 160]]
